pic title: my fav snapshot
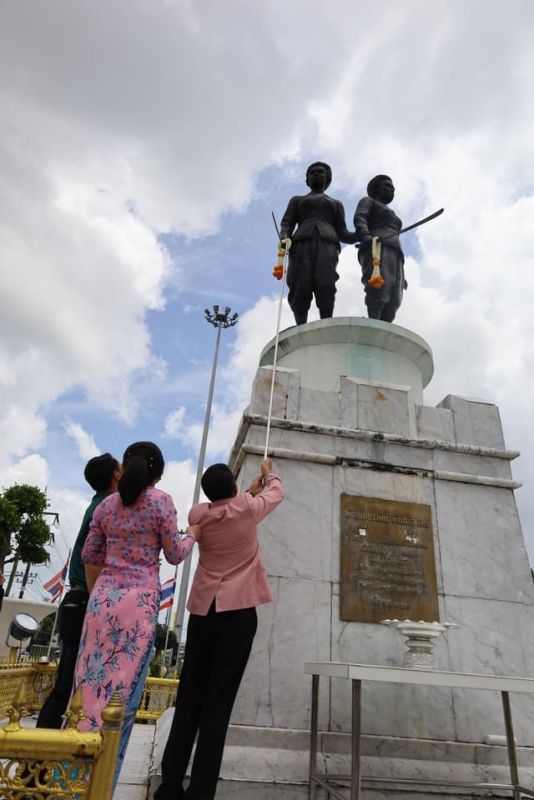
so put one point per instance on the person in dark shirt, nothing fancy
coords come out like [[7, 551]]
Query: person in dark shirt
[[373, 218], [1, 589], [315, 246], [102, 473]]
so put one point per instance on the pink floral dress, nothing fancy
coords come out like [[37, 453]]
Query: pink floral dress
[[120, 623]]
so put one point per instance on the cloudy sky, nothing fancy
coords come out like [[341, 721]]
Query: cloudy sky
[[143, 146]]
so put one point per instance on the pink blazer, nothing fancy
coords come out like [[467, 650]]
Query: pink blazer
[[230, 568]]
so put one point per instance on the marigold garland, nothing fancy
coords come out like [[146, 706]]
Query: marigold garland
[[278, 271], [376, 281]]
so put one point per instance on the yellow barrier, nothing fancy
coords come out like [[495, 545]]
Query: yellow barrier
[[159, 694], [36, 680], [47, 764]]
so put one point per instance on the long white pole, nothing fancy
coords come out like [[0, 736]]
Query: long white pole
[[186, 565], [275, 357]]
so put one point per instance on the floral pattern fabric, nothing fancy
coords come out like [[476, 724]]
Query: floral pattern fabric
[[122, 612]]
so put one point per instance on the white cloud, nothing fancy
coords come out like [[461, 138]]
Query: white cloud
[[86, 444], [179, 481], [174, 422], [100, 155], [32, 469]]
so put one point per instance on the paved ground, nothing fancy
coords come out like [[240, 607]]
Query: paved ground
[[133, 780]]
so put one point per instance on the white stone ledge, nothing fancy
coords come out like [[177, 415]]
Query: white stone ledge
[[320, 458], [480, 480], [375, 436]]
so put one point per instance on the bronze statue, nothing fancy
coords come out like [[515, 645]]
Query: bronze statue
[[314, 253], [373, 218]]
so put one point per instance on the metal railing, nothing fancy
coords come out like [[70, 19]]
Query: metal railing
[[36, 679], [159, 694], [42, 763]]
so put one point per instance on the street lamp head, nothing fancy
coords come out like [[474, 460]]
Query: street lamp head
[[220, 319]]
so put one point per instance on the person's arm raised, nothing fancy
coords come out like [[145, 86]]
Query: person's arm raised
[[271, 494]]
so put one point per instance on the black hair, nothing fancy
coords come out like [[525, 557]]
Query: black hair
[[99, 471], [142, 463], [328, 170], [375, 182], [218, 482]]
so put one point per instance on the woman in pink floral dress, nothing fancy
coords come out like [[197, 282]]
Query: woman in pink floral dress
[[121, 555]]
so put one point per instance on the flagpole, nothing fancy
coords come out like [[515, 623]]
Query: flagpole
[[57, 612], [169, 610]]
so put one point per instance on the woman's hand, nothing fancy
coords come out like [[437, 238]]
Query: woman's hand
[[256, 486], [266, 466]]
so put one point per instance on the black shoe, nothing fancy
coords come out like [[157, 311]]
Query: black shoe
[[164, 792]]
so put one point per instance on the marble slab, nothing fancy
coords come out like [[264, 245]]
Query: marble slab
[[481, 543], [475, 422], [377, 407], [296, 539], [274, 691], [319, 407], [285, 392], [485, 466], [494, 638], [434, 423]]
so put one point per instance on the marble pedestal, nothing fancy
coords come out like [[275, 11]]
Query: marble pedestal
[[348, 417]]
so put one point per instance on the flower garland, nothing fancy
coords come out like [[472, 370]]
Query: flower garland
[[376, 281]]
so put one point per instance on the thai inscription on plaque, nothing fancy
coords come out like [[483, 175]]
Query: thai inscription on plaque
[[388, 568]]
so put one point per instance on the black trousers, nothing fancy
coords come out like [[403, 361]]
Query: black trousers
[[385, 302], [216, 654], [312, 271], [71, 615]]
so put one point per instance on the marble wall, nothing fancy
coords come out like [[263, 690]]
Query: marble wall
[[374, 440]]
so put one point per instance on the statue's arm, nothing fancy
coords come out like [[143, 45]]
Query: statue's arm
[[361, 218], [344, 235], [290, 219]]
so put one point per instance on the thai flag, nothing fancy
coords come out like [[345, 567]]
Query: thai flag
[[56, 584], [167, 593]]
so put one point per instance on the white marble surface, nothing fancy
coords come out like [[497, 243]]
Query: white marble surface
[[285, 392], [354, 346], [481, 544], [315, 404], [475, 422], [274, 691], [377, 407], [447, 461], [291, 549], [493, 637], [434, 423], [483, 576]]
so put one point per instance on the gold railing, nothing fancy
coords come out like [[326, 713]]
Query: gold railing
[[159, 694], [54, 765], [36, 680]]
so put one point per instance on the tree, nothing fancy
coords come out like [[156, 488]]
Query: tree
[[161, 635], [44, 632], [23, 531]]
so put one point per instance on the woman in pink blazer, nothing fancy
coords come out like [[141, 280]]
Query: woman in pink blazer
[[230, 581]]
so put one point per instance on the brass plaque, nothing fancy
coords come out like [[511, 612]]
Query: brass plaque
[[388, 569]]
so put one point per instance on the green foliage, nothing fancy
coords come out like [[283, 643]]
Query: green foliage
[[155, 670], [22, 527], [161, 635], [44, 632]]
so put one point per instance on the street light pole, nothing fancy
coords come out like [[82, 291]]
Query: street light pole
[[220, 320]]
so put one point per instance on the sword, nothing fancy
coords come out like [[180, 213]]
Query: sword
[[422, 221], [414, 225], [276, 226]]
